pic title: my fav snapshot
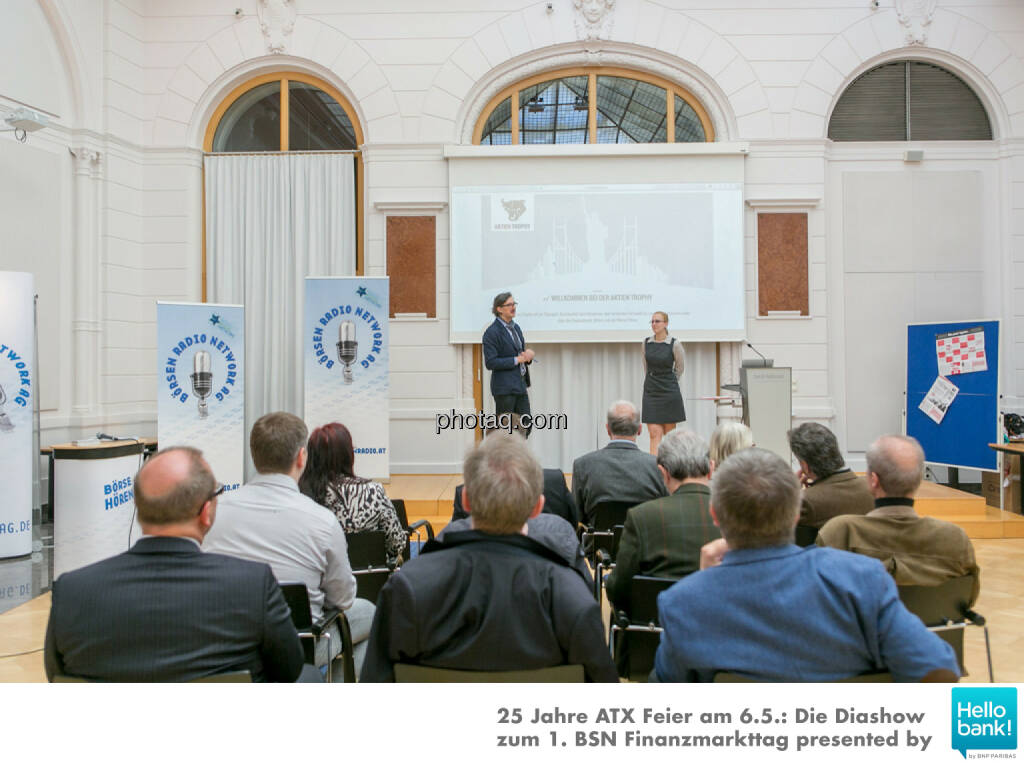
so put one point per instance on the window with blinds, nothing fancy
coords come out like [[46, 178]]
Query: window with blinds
[[909, 100]]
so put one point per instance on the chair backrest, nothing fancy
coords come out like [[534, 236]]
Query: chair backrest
[[367, 549], [939, 603], [231, 677], [806, 535], [420, 674], [724, 677], [607, 514], [643, 597], [298, 602], [370, 582], [403, 518]]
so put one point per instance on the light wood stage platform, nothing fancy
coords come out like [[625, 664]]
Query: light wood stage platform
[[430, 496]]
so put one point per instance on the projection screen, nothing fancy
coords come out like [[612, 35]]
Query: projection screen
[[590, 245]]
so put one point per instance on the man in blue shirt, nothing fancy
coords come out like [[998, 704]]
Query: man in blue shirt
[[772, 611]]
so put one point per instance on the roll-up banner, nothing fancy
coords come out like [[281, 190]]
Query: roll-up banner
[[346, 364], [17, 398], [201, 388]]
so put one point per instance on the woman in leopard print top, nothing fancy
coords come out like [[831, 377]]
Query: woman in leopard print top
[[359, 504]]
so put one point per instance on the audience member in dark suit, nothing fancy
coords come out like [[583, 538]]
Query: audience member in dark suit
[[490, 598], [619, 471], [915, 550], [165, 611], [662, 538], [508, 360], [772, 611], [557, 499], [830, 487]]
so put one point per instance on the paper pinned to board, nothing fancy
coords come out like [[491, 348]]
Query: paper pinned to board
[[941, 395], [961, 352]]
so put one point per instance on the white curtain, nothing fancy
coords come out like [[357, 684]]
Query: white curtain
[[272, 220], [582, 380]]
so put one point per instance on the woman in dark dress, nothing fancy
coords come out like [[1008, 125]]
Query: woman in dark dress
[[663, 366]]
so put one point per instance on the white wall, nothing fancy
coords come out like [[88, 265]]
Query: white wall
[[138, 80]]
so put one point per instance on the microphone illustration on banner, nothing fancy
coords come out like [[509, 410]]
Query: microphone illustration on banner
[[202, 380], [5, 422], [347, 347]]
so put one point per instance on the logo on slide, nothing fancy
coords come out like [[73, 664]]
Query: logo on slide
[[512, 214], [514, 209], [984, 719]]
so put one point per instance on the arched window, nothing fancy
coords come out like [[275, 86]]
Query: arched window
[[593, 105], [909, 100], [286, 111]]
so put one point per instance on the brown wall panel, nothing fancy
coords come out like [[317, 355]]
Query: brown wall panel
[[412, 264], [782, 279]]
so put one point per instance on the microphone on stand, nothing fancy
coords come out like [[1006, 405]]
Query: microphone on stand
[[6, 425], [202, 380], [762, 356], [348, 347]]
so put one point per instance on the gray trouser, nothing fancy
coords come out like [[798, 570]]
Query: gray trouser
[[360, 618]]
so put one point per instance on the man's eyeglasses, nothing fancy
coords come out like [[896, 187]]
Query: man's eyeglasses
[[510, 304], [220, 489]]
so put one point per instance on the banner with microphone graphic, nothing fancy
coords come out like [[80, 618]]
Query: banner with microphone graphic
[[201, 385], [346, 364], [17, 400]]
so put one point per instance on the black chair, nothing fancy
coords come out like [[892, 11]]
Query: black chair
[[368, 557], [944, 609], [604, 561], [411, 529], [724, 677], [231, 677], [805, 535], [421, 674], [634, 636], [599, 533], [311, 632]]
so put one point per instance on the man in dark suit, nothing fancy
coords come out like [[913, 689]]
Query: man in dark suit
[[619, 471], [507, 358], [662, 538], [164, 610], [557, 499]]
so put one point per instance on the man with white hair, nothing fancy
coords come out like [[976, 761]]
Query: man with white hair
[[619, 471], [915, 550], [772, 611], [662, 538], [490, 598]]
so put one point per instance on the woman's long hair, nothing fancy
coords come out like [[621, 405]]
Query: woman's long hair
[[330, 459]]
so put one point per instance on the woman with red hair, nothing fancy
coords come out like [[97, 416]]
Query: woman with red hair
[[359, 504]]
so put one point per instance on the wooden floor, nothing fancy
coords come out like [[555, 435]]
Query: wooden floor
[[1002, 602]]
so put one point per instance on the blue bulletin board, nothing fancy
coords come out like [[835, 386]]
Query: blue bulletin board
[[972, 420]]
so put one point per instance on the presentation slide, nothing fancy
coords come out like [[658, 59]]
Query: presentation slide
[[592, 262]]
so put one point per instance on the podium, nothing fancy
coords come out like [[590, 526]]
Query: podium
[[767, 395], [93, 501]]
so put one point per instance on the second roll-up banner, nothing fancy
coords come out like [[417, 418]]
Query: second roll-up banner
[[346, 364], [201, 387]]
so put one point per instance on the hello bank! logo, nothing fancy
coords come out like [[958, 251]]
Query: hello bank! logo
[[984, 719]]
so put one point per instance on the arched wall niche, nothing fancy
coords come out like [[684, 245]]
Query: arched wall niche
[[978, 82]]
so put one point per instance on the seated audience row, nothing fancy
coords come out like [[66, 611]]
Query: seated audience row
[[506, 587]]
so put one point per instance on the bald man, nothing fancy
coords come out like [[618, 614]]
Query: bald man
[[619, 471], [915, 550], [164, 610]]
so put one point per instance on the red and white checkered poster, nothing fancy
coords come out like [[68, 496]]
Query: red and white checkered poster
[[961, 352]]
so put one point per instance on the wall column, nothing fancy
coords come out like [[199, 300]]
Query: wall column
[[86, 324]]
